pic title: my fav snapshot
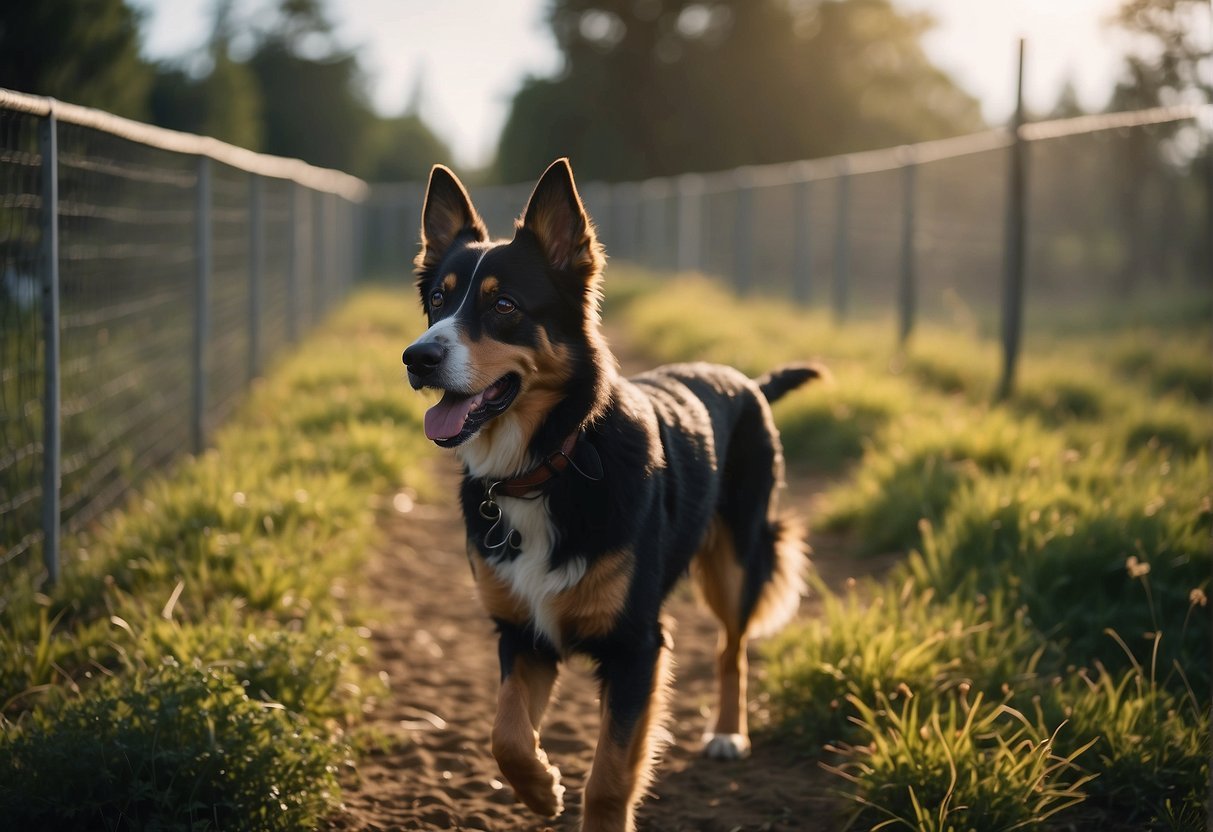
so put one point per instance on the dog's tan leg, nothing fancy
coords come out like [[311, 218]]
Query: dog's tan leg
[[633, 705], [720, 579], [729, 738], [521, 701]]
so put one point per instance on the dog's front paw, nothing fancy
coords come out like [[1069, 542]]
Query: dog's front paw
[[540, 788], [726, 746]]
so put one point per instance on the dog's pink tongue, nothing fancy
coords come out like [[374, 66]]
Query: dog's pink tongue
[[445, 419]]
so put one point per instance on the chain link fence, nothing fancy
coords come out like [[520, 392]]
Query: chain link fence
[[147, 277], [1114, 206]]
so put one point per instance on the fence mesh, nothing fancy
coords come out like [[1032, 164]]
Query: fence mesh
[[126, 224], [1117, 204], [132, 243], [21, 377]]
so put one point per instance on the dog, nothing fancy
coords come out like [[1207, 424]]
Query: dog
[[587, 496]]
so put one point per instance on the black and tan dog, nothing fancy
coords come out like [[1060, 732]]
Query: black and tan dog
[[587, 496]]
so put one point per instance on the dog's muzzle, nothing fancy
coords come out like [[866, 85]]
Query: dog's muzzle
[[422, 359]]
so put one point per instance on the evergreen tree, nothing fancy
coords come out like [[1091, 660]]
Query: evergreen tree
[[665, 86], [81, 51], [312, 90], [224, 102]]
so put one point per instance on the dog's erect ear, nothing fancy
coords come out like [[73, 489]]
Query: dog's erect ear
[[448, 212], [558, 220]]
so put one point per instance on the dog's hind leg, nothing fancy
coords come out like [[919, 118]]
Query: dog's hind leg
[[721, 580], [749, 568], [634, 682], [527, 679]]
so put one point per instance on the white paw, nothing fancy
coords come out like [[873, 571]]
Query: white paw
[[557, 793], [726, 746]]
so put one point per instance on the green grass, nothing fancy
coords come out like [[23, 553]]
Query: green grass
[[1040, 656], [1037, 659], [218, 608], [174, 747]]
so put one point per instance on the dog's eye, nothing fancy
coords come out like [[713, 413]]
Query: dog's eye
[[436, 298], [504, 305]]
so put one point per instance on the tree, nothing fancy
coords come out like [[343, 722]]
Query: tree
[[224, 102], [1067, 104], [1159, 182], [314, 104], [1170, 62], [82, 51], [664, 86], [403, 149]]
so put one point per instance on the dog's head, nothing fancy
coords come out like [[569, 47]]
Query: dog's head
[[512, 324]]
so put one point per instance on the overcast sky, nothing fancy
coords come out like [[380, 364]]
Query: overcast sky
[[472, 54]]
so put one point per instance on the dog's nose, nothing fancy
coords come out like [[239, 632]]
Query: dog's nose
[[423, 358]]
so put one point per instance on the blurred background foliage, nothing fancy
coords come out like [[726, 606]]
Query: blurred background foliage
[[646, 87], [706, 86]]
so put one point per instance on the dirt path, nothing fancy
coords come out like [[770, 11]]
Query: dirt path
[[438, 650]]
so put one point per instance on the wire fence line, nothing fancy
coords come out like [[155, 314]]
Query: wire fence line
[[147, 276], [1112, 205]]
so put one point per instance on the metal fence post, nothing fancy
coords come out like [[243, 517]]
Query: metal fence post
[[202, 262], [842, 240], [255, 273], [48, 147], [802, 242], [358, 241], [319, 277], [690, 221], [907, 293], [633, 223], [335, 279], [743, 233], [292, 263], [1012, 298]]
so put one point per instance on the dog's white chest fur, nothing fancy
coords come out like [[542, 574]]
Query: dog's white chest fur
[[529, 573]]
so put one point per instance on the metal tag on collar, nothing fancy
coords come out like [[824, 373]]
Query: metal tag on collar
[[489, 509]]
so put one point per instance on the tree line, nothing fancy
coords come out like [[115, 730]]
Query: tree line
[[296, 92], [646, 87]]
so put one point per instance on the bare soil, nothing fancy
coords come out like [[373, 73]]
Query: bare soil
[[437, 650]]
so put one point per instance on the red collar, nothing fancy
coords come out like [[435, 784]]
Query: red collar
[[551, 467]]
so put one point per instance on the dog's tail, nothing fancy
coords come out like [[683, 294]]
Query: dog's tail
[[783, 380], [775, 579]]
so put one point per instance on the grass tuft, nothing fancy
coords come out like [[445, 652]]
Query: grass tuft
[[1058, 561], [178, 747], [201, 652]]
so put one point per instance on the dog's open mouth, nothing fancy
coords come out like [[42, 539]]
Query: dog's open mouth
[[456, 418]]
